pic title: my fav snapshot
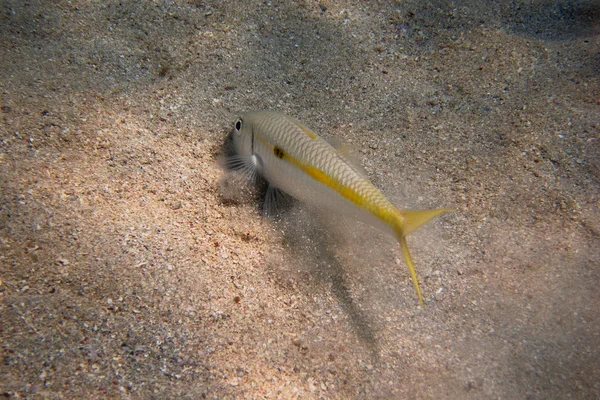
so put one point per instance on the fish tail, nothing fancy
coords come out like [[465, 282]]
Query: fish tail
[[409, 221]]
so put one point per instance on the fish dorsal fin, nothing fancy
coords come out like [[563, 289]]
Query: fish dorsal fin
[[334, 142], [348, 154]]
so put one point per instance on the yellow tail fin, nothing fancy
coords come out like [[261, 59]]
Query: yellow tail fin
[[414, 219], [409, 222]]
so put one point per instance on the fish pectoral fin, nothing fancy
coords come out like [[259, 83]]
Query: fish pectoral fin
[[245, 165], [414, 219]]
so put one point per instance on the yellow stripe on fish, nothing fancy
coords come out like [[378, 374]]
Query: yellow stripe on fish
[[347, 192], [296, 160]]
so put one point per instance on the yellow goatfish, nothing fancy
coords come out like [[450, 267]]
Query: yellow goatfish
[[294, 159]]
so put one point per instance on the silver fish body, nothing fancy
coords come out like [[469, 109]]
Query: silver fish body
[[294, 159]]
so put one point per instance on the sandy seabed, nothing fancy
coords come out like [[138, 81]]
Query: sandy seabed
[[129, 268]]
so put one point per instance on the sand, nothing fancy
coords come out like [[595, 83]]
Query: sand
[[130, 268]]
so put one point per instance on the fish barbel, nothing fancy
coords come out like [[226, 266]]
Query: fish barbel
[[293, 158]]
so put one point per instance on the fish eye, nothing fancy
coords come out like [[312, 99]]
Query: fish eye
[[238, 126]]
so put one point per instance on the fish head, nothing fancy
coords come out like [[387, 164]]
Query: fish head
[[242, 136]]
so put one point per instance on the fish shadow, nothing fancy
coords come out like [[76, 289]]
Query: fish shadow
[[311, 241], [555, 20]]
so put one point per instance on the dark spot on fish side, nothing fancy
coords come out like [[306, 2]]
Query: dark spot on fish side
[[278, 152]]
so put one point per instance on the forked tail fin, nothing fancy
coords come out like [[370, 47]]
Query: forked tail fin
[[410, 221], [414, 219]]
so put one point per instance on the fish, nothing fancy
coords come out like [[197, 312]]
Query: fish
[[294, 159]]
